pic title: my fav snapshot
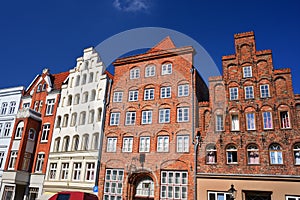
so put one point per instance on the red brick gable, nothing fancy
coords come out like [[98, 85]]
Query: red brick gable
[[165, 44]]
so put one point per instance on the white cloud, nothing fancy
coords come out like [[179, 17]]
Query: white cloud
[[131, 5]]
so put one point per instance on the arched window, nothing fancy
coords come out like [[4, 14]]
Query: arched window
[[211, 154], [19, 130], [91, 77], [135, 73], [31, 134], [296, 151], [75, 143], [91, 116], [65, 121], [275, 154], [58, 121], [76, 99], [93, 95], [99, 114], [150, 71], [66, 143], [145, 188], [95, 141], [82, 118], [85, 142], [77, 80], [71, 82], [231, 154], [12, 107], [73, 119], [253, 154], [85, 97], [69, 100], [56, 144], [39, 88], [83, 79]]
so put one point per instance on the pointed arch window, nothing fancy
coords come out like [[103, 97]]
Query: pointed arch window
[[253, 154]]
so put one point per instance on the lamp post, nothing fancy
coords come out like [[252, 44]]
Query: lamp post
[[232, 192]]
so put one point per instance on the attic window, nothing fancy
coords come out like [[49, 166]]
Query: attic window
[[39, 88], [44, 87]]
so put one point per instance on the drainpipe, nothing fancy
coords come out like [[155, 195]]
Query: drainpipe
[[195, 142], [105, 102]]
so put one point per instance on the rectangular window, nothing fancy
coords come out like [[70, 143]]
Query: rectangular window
[[90, 171], [247, 72], [118, 96], [113, 184], [284, 119], [12, 107], [4, 108], [150, 71], [164, 115], [219, 196], [249, 92], [182, 114], [264, 91], [234, 93], [147, 117], [76, 171], [130, 118], [166, 69], [114, 119], [45, 133], [174, 185], [1, 129], [144, 144], [39, 162], [50, 106], [235, 124], [8, 192], [127, 144], [165, 92], [183, 90], [149, 94], [64, 171], [292, 197], [162, 143], [7, 129], [219, 123], [26, 105], [1, 159], [183, 143], [133, 95], [250, 117], [12, 160], [111, 144], [52, 171], [267, 120]]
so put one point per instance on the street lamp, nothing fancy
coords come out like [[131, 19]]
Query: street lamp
[[232, 192]]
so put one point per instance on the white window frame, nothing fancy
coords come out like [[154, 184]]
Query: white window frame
[[64, 171], [166, 69], [264, 91], [219, 123], [249, 92], [7, 128], [252, 154], [135, 73], [2, 154], [182, 143], [113, 185], [149, 94], [183, 114], [147, 117], [292, 197], [234, 93], [111, 144], [285, 121], [296, 153], [174, 185], [144, 144], [150, 71], [276, 154], [165, 92], [45, 132], [247, 72], [127, 144], [267, 120], [235, 122], [118, 97], [12, 159], [250, 121], [12, 107], [218, 195], [164, 115], [163, 143], [231, 155], [4, 108], [130, 118], [40, 162], [114, 119], [50, 106], [183, 90], [76, 171], [133, 95], [90, 171]]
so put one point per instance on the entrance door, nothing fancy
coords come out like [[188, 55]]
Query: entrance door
[[144, 189]]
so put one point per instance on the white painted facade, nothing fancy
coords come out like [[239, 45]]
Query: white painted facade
[[10, 99], [79, 123]]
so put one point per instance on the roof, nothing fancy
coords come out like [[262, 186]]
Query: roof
[[165, 44], [109, 74], [58, 79]]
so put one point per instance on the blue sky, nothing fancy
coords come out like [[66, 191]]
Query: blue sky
[[39, 34]]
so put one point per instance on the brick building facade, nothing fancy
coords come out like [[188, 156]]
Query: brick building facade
[[250, 129], [148, 150]]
